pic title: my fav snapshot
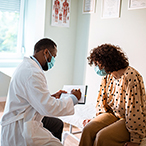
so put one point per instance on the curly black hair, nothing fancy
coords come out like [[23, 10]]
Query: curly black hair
[[109, 56]]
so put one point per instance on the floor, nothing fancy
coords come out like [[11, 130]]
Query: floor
[[69, 141]]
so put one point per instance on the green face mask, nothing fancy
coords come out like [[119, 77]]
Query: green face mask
[[51, 63], [100, 72]]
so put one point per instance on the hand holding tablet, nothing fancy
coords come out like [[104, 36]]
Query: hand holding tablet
[[72, 88]]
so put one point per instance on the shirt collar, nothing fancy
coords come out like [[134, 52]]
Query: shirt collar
[[36, 61]]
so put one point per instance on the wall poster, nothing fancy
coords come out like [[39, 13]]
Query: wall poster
[[136, 4], [88, 6], [61, 13], [111, 8]]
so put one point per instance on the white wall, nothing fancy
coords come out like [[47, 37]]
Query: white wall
[[128, 31], [65, 38], [88, 31], [81, 49], [85, 32]]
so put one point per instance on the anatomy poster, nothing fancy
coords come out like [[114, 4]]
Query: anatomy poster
[[61, 12]]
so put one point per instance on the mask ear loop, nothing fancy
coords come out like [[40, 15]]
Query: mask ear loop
[[46, 58], [47, 61], [50, 53]]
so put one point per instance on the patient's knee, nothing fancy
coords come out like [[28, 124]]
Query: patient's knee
[[86, 129], [101, 136], [90, 130]]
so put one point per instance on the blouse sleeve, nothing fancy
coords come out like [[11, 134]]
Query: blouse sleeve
[[101, 95], [134, 107]]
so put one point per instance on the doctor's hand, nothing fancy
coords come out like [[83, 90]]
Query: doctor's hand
[[58, 94], [77, 93]]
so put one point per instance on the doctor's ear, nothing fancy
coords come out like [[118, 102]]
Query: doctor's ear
[[45, 51]]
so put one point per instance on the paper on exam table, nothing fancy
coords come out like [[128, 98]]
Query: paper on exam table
[[83, 89]]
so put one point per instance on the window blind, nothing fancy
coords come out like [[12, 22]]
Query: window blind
[[10, 5]]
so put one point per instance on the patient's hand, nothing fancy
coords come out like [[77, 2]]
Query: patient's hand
[[58, 94], [131, 144], [85, 122]]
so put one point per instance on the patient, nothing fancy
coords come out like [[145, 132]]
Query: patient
[[121, 102]]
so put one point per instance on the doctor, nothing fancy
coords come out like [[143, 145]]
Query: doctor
[[29, 100]]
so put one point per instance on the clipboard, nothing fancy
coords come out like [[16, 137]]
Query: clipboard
[[83, 89]]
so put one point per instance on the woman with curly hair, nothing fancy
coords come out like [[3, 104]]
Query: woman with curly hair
[[121, 103]]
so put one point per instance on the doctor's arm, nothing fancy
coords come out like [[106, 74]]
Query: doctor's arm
[[75, 95], [41, 100]]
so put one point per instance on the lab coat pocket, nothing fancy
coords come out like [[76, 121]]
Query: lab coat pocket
[[35, 134]]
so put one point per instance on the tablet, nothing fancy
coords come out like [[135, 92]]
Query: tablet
[[83, 89]]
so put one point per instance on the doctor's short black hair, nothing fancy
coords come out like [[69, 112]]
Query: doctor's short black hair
[[111, 57], [43, 44]]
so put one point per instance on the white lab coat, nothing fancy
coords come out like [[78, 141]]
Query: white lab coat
[[28, 101]]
